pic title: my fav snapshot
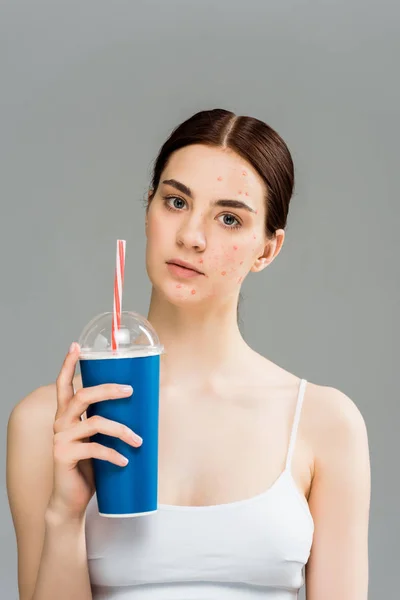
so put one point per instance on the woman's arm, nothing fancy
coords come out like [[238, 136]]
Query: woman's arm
[[63, 571], [339, 502], [52, 560]]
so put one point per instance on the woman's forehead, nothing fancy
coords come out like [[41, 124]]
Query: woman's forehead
[[205, 168]]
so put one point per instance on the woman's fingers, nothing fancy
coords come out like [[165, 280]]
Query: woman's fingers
[[79, 403], [97, 424], [64, 383]]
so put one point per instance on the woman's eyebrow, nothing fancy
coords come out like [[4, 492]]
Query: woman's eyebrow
[[222, 202]]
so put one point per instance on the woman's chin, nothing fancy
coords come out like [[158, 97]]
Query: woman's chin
[[182, 293]]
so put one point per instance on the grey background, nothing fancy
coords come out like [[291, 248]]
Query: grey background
[[90, 90]]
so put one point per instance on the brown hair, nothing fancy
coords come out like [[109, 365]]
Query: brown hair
[[253, 140]]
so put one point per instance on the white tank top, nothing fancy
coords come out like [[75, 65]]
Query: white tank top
[[249, 549]]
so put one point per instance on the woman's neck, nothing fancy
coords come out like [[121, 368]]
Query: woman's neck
[[200, 344]]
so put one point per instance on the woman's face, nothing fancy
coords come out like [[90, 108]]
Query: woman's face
[[183, 222]]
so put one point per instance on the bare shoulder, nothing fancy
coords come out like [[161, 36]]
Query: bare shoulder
[[336, 432], [327, 411], [30, 445], [330, 412], [331, 423], [40, 404]]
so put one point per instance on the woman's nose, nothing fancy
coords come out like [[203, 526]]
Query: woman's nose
[[191, 235]]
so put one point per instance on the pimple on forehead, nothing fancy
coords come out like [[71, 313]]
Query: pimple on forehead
[[219, 178], [223, 273], [247, 193], [235, 247], [241, 262], [193, 292], [179, 285]]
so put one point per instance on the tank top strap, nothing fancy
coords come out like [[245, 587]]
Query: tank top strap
[[293, 435]]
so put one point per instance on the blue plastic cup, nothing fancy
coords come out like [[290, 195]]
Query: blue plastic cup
[[131, 490]]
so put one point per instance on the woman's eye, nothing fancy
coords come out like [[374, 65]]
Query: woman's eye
[[174, 206], [230, 225], [178, 199]]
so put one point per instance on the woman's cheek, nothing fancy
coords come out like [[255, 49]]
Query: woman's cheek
[[156, 230], [232, 264], [238, 258]]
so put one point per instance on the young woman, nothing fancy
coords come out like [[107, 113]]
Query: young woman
[[264, 478]]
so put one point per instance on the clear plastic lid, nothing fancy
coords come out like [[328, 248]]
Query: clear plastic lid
[[136, 337]]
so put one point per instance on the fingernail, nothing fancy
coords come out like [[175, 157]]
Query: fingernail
[[126, 388], [72, 348], [135, 437]]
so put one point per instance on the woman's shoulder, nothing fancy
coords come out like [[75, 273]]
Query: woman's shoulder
[[41, 403], [326, 405], [328, 415], [329, 409], [334, 427]]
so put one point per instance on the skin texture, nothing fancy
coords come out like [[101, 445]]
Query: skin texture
[[198, 309], [218, 373], [223, 406]]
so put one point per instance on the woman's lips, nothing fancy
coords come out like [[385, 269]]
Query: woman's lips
[[182, 271]]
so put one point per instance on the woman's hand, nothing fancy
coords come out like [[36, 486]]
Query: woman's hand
[[73, 481]]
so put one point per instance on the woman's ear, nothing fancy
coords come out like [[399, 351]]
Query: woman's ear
[[149, 198], [271, 251]]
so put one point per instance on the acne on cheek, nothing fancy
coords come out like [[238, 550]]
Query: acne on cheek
[[235, 266], [232, 258]]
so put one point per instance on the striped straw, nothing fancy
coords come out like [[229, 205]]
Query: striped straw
[[118, 287]]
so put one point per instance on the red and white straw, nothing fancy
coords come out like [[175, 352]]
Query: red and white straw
[[118, 288]]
